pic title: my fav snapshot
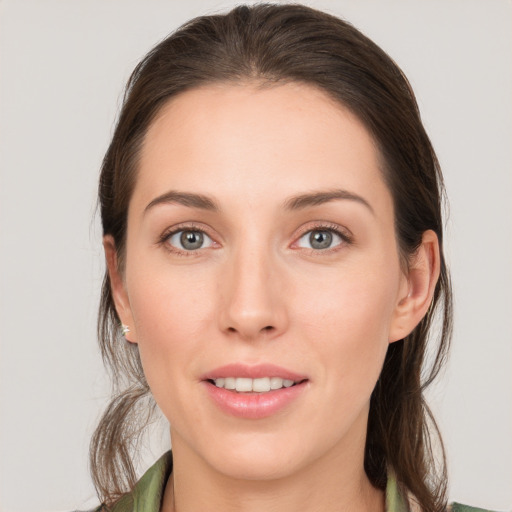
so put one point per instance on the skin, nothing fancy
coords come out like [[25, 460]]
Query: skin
[[257, 292]]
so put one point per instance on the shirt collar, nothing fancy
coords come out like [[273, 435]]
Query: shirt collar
[[148, 493]]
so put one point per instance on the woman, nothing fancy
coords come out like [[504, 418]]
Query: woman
[[271, 208]]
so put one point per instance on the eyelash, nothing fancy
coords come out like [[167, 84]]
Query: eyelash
[[168, 234], [345, 236]]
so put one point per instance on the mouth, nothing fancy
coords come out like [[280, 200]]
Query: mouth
[[255, 392], [259, 385]]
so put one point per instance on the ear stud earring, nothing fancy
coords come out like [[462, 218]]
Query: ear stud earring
[[125, 329]]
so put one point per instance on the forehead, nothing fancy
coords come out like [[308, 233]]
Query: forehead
[[246, 139]]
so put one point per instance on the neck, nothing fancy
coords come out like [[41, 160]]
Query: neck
[[330, 484]]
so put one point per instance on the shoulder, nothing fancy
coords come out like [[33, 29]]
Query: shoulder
[[124, 504], [459, 507], [97, 509], [148, 491]]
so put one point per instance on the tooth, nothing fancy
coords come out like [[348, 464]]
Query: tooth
[[229, 383], [261, 385], [243, 384], [276, 383], [246, 385]]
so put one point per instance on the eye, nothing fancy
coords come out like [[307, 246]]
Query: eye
[[189, 240], [320, 239]]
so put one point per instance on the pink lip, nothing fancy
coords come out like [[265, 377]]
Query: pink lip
[[253, 372], [254, 405]]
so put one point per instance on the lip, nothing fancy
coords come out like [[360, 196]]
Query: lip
[[253, 372], [254, 405]]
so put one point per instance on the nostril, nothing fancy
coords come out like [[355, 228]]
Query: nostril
[[268, 328]]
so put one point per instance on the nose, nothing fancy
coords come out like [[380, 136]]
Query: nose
[[253, 296]]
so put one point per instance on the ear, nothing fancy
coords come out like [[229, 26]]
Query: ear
[[418, 287], [118, 289]]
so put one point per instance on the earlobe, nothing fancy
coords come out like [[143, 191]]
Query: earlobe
[[118, 289], [418, 290]]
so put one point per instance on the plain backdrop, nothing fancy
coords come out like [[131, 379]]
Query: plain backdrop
[[63, 65]]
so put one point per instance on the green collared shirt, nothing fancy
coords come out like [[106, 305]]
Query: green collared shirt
[[148, 493]]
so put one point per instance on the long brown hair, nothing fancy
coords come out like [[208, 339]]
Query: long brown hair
[[275, 44]]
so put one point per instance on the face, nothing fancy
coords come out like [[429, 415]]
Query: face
[[261, 254]]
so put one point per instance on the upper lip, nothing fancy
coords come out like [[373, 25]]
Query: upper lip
[[253, 372]]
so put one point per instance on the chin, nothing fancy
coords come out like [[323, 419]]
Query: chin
[[251, 455], [259, 463]]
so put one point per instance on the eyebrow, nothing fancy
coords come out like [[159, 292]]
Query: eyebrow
[[324, 196], [299, 202], [186, 199]]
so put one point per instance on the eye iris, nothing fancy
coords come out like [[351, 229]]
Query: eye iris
[[191, 240], [320, 239]]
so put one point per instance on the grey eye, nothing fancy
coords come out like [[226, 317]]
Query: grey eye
[[320, 239], [190, 240]]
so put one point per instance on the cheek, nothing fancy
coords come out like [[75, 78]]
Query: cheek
[[353, 299], [166, 300], [348, 322], [171, 316]]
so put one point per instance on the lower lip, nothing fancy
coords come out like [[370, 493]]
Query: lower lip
[[254, 405]]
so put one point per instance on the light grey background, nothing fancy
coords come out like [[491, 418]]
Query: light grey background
[[62, 68]]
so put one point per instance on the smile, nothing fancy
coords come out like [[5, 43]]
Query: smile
[[248, 385], [252, 392]]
